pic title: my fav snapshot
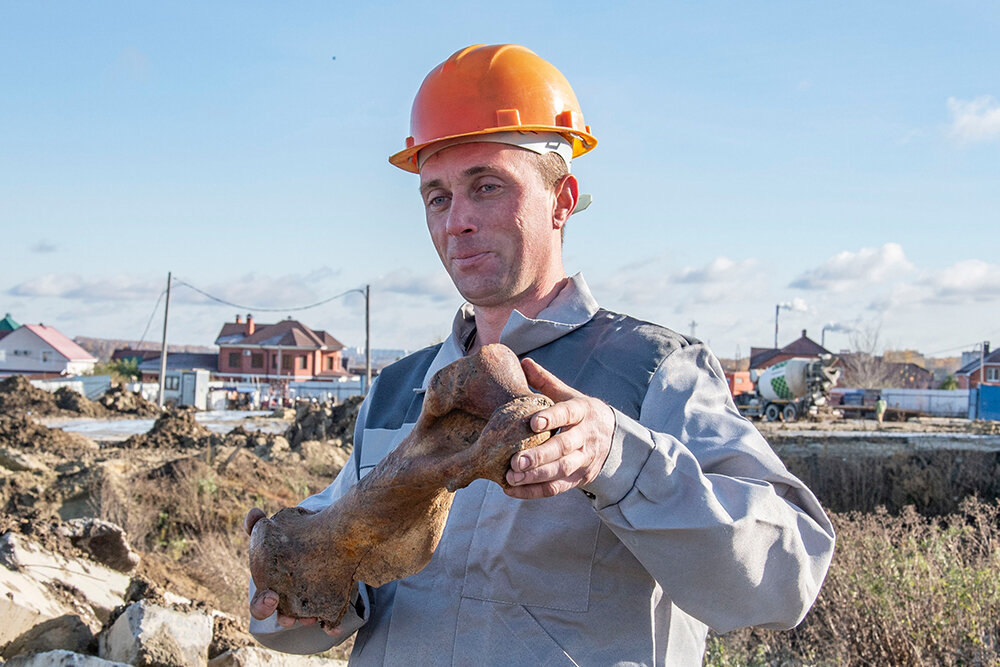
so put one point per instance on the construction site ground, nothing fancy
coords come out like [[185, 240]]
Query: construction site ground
[[179, 484]]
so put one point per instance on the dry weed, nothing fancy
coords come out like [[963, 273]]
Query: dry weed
[[902, 590]]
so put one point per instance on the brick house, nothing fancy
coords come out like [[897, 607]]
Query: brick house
[[287, 350], [968, 375]]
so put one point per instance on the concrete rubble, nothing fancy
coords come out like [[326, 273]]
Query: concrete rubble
[[253, 656], [98, 538]]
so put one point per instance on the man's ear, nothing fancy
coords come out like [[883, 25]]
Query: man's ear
[[567, 192]]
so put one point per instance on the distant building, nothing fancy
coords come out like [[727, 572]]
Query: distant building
[[129, 354], [41, 351], [177, 362], [901, 375], [968, 375], [285, 351], [7, 324], [765, 357]]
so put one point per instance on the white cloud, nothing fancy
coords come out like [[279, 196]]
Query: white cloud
[[73, 286], [719, 270], [974, 120], [849, 269], [435, 285], [965, 281]]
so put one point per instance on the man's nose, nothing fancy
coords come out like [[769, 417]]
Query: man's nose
[[461, 217]]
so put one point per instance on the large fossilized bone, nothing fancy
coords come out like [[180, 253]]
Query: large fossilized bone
[[474, 419]]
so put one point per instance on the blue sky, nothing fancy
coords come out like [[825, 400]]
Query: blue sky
[[843, 159]]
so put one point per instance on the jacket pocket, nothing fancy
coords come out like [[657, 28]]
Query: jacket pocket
[[495, 634], [538, 553]]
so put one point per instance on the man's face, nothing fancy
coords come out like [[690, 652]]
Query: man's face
[[492, 221]]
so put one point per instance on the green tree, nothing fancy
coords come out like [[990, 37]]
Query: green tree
[[120, 370], [949, 383]]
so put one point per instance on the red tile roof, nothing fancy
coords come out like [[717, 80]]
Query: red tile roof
[[60, 343], [287, 333]]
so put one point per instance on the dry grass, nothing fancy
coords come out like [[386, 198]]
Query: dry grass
[[185, 518], [903, 590]]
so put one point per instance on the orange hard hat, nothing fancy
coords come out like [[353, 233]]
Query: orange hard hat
[[488, 89]]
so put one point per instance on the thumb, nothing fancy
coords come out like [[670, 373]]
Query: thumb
[[547, 383]]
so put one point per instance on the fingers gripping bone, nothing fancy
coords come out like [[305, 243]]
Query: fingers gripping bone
[[474, 419]]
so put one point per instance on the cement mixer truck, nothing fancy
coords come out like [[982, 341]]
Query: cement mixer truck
[[790, 389]]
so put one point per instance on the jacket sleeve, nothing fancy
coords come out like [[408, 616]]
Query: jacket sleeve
[[698, 496], [305, 639]]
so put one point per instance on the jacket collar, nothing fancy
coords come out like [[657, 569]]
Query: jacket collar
[[572, 307]]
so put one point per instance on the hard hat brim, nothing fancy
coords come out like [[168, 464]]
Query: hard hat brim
[[583, 142]]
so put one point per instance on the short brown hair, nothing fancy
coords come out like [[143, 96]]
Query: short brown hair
[[551, 167]]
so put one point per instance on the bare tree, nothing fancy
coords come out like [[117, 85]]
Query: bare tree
[[864, 367]]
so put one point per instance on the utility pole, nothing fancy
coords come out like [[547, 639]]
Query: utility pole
[[982, 361], [368, 339], [163, 344], [693, 326]]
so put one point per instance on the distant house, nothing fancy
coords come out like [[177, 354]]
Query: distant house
[[287, 350], [42, 351], [176, 363], [7, 324], [901, 375], [765, 357], [130, 354], [968, 375]]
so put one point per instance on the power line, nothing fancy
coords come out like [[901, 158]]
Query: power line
[[150, 321], [260, 308], [953, 349]]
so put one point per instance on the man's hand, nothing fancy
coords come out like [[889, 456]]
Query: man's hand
[[573, 456], [265, 602]]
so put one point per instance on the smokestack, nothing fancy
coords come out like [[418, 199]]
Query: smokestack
[[239, 320], [249, 324], [803, 333], [986, 347]]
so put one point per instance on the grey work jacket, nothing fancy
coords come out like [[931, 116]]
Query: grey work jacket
[[692, 523]]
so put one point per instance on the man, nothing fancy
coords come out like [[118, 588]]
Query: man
[[654, 513]]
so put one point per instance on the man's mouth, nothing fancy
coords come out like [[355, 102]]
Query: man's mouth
[[467, 260]]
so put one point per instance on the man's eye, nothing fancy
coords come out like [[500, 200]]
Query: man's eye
[[489, 187], [437, 202]]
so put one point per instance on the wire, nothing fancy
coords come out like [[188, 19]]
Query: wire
[[150, 321], [953, 349], [261, 309]]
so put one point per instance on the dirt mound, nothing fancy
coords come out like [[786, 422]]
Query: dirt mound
[[18, 396], [21, 432], [122, 401], [176, 429], [325, 422], [72, 401]]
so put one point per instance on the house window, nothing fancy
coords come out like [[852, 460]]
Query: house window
[[256, 360], [329, 363], [172, 383], [303, 363], [286, 363], [234, 360], [993, 374], [46, 356]]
